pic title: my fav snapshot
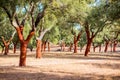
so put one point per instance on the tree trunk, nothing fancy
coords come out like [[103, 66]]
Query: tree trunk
[[48, 46], [23, 52], [14, 48], [81, 49], [44, 45], [6, 49], [70, 48], [75, 46], [63, 46], [38, 50], [114, 46], [100, 48], [106, 46], [111, 46], [75, 43], [88, 47], [94, 47]]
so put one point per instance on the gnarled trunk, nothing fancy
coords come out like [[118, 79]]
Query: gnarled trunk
[[38, 49], [23, 52], [23, 44], [88, 47]]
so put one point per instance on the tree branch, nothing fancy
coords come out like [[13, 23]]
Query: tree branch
[[43, 33], [8, 13], [87, 30], [40, 16], [30, 35], [4, 42], [78, 37]]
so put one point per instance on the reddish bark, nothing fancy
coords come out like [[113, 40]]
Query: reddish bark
[[114, 46], [75, 47], [23, 44], [6, 49], [75, 44], [23, 51], [106, 46], [38, 49], [88, 47], [19, 28], [6, 45], [48, 46], [76, 39]]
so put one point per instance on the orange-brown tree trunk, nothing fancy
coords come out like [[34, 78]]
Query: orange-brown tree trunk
[[6, 49], [23, 44], [38, 49], [75, 46], [106, 46], [23, 52], [6, 45], [88, 47]]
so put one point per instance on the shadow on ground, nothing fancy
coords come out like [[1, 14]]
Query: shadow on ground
[[15, 74]]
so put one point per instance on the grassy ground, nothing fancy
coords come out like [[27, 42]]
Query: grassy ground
[[61, 66]]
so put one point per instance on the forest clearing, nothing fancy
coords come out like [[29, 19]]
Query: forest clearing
[[59, 39], [61, 66]]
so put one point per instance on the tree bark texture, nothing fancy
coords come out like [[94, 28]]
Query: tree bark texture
[[88, 47], [38, 49], [23, 52]]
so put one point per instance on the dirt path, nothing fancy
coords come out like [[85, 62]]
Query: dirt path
[[62, 66]]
